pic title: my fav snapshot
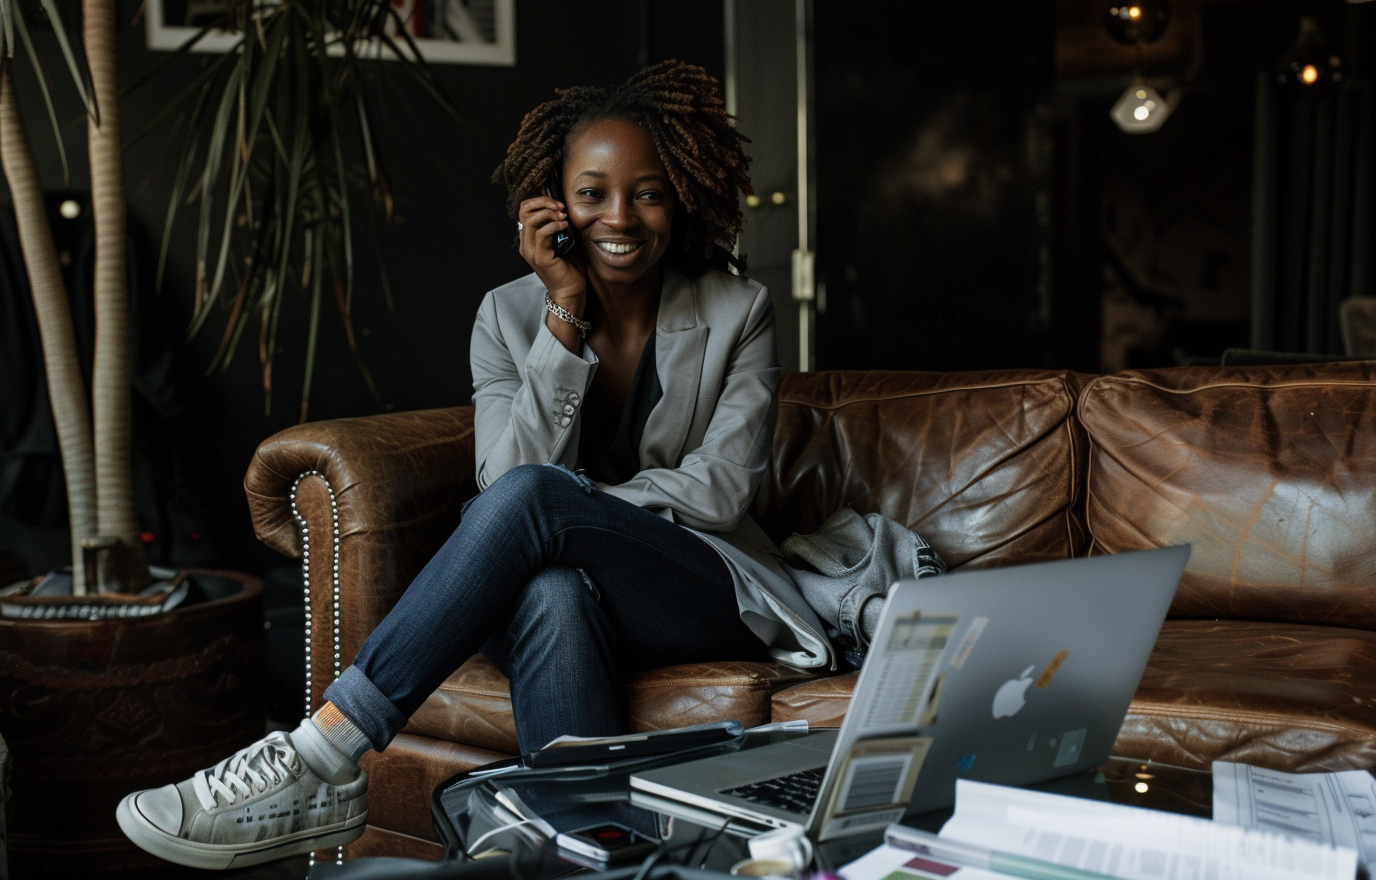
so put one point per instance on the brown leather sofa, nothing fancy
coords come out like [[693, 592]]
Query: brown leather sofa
[[1269, 472]]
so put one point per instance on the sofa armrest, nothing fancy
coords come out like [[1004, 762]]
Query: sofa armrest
[[364, 503]]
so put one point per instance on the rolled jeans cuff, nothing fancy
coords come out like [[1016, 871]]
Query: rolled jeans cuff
[[354, 694]]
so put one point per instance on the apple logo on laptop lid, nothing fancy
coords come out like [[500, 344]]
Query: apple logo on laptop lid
[[1012, 694]]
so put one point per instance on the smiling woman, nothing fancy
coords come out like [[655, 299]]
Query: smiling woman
[[624, 408]]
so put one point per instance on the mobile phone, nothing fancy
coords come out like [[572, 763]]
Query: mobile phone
[[565, 242], [605, 844]]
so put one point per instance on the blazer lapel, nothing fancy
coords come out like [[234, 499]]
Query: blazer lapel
[[680, 344]]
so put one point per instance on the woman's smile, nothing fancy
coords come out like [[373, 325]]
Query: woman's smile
[[618, 247]]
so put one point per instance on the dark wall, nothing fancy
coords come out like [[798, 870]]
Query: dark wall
[[452, 244], [933, 179]]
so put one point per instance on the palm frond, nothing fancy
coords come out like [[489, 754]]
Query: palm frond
[[14, 33], [281, 130], [80, 77]]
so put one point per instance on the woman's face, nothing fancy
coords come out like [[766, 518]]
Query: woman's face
[[619, 199]]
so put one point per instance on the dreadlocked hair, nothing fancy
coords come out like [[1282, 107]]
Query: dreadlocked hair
[[696, 139]]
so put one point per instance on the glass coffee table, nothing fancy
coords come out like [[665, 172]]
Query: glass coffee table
[[470, 806]]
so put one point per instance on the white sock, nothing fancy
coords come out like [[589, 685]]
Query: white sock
[[330, 744]]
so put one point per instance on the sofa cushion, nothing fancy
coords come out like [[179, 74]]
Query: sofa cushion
[[986, 466], [1290, 697], [822, 702], [402, 777], [1285, 696], [1268, 473], [473, 705]]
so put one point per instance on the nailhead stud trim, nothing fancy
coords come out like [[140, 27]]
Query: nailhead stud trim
[[334, 590]]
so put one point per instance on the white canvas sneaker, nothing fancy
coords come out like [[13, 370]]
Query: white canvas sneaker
[[261, 804]]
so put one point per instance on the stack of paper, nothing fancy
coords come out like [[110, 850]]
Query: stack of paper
[[999, 831], [1333, 808]]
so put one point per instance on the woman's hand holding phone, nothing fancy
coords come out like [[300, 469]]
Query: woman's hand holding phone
[[542, 219]]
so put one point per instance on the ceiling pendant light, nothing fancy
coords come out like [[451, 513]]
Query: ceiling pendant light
[[1312, 66], [1142, 109], [1137, 22]]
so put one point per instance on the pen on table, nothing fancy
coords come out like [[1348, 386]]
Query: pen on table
[[970, 856]]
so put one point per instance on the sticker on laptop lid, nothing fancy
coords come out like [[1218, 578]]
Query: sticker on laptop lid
[[967, 644], [905, 670], [1072, 744], [1051, 668], [876, 779], [928, 716]]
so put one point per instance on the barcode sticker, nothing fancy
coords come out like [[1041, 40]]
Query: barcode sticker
[[873, 782]]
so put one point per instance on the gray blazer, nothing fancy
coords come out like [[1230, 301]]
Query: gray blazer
[[706, 445]]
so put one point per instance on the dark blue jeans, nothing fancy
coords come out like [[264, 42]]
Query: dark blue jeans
[[567, 589]]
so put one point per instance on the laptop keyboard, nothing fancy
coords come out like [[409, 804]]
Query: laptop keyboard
[[796, 792]]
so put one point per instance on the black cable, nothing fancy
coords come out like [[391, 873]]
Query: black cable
[[713, 842], [649, 863]]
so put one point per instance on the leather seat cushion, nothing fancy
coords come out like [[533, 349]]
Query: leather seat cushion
[[822, 701], [1285, 696], [473, 705]]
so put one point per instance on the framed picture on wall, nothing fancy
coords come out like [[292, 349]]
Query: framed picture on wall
[[445, 31]]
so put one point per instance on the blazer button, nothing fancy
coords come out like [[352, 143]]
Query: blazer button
[[568, 409], [573, 398], [564, 422]]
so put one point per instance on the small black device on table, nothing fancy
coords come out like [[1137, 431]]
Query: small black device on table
[[575, 794]]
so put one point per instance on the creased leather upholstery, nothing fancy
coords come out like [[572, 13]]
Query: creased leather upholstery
[[1269, 472], [700, 693], [821, 702], [474, 704], [401, 778], [397, 481], [1287, 696], [986, 466]]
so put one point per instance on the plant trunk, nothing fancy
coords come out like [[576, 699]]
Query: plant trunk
[[110, 389], [66, 392]]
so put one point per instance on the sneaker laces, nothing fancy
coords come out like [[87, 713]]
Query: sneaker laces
[[253, 770]]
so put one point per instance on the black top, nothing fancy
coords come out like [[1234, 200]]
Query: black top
[[609, 445]]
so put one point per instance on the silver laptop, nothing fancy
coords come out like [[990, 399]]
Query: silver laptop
[[1009, 675]]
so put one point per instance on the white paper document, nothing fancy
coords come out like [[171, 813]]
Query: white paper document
[[1333, 808], [1133, 843], [1013, 825]]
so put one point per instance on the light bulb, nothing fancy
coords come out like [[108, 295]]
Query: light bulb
[[1141, 109], [1139, 23], [1311, 66]]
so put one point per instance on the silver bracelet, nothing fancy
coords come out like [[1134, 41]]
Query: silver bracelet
[[564, 314]]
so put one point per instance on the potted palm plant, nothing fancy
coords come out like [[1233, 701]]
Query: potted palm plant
[[286, 167], [97, 706]]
